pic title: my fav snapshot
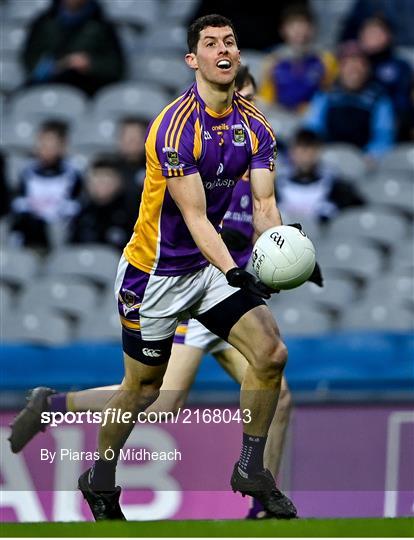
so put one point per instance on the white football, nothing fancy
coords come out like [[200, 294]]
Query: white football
[[283, 257]]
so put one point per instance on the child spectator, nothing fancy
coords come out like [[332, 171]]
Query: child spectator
[[108, 212], [48, 190], [73, 43], [297, 69], [393, 73], [307, 187], [356, 110]]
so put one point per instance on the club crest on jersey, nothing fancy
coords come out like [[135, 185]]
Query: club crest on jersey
[[129, 300], [173, 159], [239, 135]]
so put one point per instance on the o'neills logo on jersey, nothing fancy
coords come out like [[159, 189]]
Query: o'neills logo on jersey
[[221, 127], [220, 182]]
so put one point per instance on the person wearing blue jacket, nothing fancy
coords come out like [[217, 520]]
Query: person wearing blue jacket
[[356, 110]]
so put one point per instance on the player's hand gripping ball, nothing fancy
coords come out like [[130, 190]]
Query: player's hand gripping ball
[[283, 257]]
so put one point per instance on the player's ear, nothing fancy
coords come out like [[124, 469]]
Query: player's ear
[[191, 60]]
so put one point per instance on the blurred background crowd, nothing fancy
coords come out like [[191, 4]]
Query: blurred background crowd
[[81, 80]]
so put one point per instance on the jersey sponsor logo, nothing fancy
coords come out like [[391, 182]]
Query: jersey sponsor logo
[[220, 182], [238, 135], [152, 353], [207, 135], [221, 127]]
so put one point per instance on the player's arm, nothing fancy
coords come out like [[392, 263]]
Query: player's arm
[[188, 194], [265, 211]]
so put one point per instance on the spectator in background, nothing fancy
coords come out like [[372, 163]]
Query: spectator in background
[[356, 110], [393, 73], [73, 43], [297, 69], [4, 189], [309, 188], [48, 192], [108, 213], [399, 13], [131, 153]]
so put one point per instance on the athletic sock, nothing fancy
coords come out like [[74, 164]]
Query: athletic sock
[[102, 477], [251, 457], [57, 403]]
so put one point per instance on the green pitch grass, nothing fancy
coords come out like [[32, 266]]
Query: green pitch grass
[[401, 527]]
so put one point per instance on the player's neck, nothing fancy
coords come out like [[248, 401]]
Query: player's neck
[[218, 99]]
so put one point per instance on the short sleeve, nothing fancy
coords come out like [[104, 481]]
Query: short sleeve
[[175, 143], [264, 145]]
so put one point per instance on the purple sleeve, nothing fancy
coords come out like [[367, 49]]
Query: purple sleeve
[[175, 147], [264, 146]]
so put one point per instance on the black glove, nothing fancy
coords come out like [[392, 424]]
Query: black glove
[[316, 276], [237, 277]]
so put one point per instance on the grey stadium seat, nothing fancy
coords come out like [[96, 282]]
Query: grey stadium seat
[[284, 124], [97, 263], [12, 39], [302, 321], [14, 165], [72, 297], [49, 101], [125, 99], [403, 257], [401, 159], [141, 13], [378, 224], [18, 266], [39, 327], [169, 71], [18, 134], [254, 60], [6, 300], [390, 191], [398, 287], [346, 159], [377, 315], [12, 76], [349, 257], [165, 38], [179, 11], [25, 10], [94, 135], [106, 329]]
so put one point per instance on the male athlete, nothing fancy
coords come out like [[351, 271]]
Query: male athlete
[[191, 341]]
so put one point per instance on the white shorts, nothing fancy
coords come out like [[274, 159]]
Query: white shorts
[[193, 333], [154, 305]]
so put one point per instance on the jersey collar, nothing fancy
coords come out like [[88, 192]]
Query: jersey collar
[[209, 111]]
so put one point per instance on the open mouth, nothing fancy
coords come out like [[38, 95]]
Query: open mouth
[[224, 64]]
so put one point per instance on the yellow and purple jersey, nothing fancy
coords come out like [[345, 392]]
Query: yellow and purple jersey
[[186, 138]]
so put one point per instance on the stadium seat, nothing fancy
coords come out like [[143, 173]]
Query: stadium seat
[[254, 60], [14, 165], [75, 298], [165, 38], [346, 159], [18, 134], [403, 257], [12, 76], [284, 124], [179, 11], [390, 190], [18, 266], [106, 329], [302, 321], [400, 159], [49, 101], [351, 257], [124, 99], [398, 287], [377, 314], [94, 135], [98, 263], [168, 71], [142, 14], [38, 327], [6, 300], [12, 40], [24, 10], [378, 224]]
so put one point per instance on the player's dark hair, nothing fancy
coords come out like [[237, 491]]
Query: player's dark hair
[[193, 34], [306, 137], [57, 127], [297, 11], [244, 77]]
